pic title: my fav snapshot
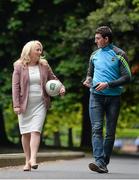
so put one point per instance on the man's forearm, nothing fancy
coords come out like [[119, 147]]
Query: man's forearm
[[119, 82]]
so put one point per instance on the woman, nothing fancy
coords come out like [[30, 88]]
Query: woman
[[30, 100]]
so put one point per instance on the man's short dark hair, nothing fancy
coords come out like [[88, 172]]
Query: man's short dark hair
[[105, 31]]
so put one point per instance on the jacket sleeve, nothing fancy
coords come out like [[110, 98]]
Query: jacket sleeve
[[51, 75], [124, 72], [16, 86]]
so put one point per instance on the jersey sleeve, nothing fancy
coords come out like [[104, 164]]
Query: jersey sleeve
[[124, 72], [90, 70]]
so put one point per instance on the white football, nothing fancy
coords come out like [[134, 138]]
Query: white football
[[53, 87]]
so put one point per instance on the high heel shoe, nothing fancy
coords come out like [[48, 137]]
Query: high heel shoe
[[33, 166], [27, 167]]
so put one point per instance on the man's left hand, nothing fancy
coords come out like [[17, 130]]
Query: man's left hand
[[101, 86]]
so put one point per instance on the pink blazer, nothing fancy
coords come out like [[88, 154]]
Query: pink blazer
[[20, 84]]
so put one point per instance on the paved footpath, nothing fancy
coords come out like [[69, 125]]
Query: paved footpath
[[119, 168], [16, 159]]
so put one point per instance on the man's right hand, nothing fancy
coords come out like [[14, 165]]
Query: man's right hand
[[87, 83]]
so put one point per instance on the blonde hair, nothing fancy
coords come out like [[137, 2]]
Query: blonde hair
[[24, 57]]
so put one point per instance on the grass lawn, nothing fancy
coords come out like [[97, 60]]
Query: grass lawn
[[127, 133]]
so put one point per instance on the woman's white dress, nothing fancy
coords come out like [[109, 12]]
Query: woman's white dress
[[33, 118]]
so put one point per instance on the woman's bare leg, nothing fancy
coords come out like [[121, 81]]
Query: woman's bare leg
[[26, 148], [34, 146]]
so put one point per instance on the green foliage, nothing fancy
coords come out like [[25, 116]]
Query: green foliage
[[117, 14], [10, 118], [5, 92], [14, 24], [11, 124], [127, 133], [129, 116], [59, 119], [135, 4], [58, 1], [22, 5]]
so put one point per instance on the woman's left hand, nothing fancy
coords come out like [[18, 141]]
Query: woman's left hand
[[62, 91]]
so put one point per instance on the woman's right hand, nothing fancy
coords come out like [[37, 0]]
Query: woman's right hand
[[17, 110]]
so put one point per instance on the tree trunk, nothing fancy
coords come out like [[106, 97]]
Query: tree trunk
[[57, 141], [86, 125], [70, 138]]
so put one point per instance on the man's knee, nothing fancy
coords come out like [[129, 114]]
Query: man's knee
[[97, 132]]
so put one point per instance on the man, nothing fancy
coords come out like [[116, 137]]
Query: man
[[108, 71]]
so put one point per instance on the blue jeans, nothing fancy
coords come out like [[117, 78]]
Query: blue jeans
[[101, 106]]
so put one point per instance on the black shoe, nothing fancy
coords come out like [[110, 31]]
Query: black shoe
[[35, 166], [96, 168]]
